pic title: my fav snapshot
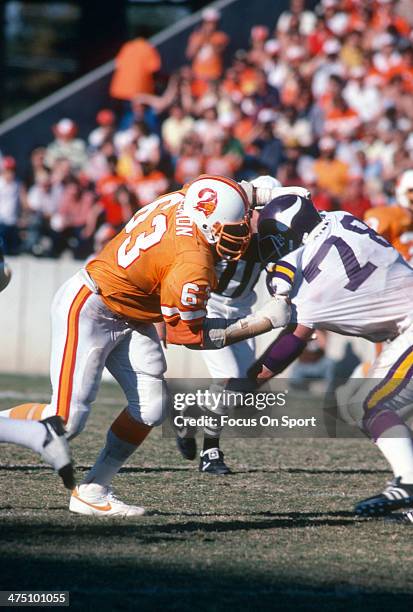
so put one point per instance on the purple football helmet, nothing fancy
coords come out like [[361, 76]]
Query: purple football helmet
[[282, 225]]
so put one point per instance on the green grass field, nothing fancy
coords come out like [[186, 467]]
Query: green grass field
[[276, 535]]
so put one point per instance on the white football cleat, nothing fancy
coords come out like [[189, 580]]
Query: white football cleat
[[96, 500]]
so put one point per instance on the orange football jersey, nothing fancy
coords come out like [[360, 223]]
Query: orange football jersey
[[158, 266], [395, 223]]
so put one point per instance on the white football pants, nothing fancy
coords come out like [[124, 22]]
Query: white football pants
[[86, 337], [389, 383]]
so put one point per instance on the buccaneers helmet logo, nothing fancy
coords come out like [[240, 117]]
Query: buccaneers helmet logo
[[208, 201]]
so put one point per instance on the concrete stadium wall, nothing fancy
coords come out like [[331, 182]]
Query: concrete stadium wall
[[25, 322]]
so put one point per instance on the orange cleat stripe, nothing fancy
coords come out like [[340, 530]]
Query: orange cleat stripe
[[101, 508]]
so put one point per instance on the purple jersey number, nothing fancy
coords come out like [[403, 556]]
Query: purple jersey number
[[356, 273]]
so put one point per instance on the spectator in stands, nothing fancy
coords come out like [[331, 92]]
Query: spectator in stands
[[106, 121], [217, 161], [268, 148], [97, 164], [110, 212], [175, 128], [292, 129], [190, 161], [70, 220], [257, 54], [306, 19], [355, 200], [36, 164], [207, 127], [106, 188], [40, 205], [11, 193], [331, 173], [206, 46], [135, 66], [363, 97], [150, 182], [66, 145]]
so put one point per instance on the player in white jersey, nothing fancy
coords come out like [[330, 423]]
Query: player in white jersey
[[340, 275], [233, 297]]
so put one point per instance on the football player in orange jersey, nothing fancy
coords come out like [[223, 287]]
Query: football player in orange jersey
[[161, 265], [395, 223]]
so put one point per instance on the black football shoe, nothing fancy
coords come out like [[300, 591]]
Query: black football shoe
[[212, 462], [187, 447], [394, 497], [56, 451]]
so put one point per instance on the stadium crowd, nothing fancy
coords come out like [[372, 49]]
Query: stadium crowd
[[320, 98]]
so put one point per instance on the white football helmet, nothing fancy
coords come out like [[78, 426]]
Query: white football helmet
[[219, 208], [404, 185], [266, 181]]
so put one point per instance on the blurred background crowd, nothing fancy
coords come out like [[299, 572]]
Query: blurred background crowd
[[320, 98]]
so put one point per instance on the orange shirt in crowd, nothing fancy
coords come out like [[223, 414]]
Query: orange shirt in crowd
[[188, 167], [135, 65], [207, 63], [148, 188], [395, 223], [158, 267], [341, 122], [106, 188], [331, 175]]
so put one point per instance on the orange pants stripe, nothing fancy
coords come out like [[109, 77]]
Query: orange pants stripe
[[69, 354]]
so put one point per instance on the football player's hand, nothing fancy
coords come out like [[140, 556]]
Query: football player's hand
[[277, 310]]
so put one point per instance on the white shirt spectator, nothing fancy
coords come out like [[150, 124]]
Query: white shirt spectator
[[307, 21], [323, 73], [9, 201], [42, 200], [364, 99]]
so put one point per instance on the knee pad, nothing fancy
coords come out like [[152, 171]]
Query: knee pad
[[150, 405]]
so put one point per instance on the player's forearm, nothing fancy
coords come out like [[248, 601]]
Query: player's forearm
[[258, 197], [277, 357], [218, 333]]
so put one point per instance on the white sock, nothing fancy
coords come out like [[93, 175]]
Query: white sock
[[110, 460], [397, 447], [30, 434]]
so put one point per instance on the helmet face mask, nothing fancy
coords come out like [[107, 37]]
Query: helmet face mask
[[219, 208], [275, 246], [232, 239], [283, 225]]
